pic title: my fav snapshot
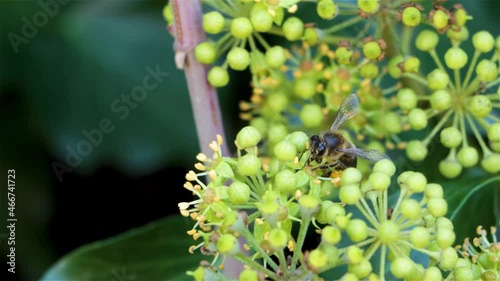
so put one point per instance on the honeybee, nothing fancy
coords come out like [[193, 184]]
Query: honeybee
[[331, 150]]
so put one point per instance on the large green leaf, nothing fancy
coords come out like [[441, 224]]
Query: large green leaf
[[157, 251]]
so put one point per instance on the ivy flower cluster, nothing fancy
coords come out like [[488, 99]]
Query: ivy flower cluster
[[251, 205]]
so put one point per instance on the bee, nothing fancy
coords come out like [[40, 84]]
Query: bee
[[331, 150]]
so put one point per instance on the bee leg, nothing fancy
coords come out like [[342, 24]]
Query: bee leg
[[328, 166]]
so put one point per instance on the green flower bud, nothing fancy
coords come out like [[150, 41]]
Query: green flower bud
[[276, 133], [213, 22], [261, 19], [437, 206], [372, 50], [350, 193], [248, 275], [491, 163], [443, 222], [458, 36], [388, 232], [343, 55], [311, 115], [299, 139], [407, 99], [248, 137], [354, 254], [385, 166], [455, 58], [227, 244], [494, 132], [461, 16], [331, 235], [277, 102], [357, 230], [411, 16], [238, 58], [350, 175], [249, 165], [218, 77], [328, 211], [468, 156], [285, 151], [433, 190], [327, 9], [293, 28], [445, 237], [410, 208], [441, 100], [437, 79], [241, 27], [309, 205], [449, 258], [258, 123], [402, 267], [379, 181], [205, 52], [483, 41], [369, 6], [440, 19], [432, 274], [239, 193], [479, 106], [451, 137], [486, 70], [420, 237], [317, 258], [168, 15], [361, 270], [416, 150], [275, 56], [278, 238], [463, 273], [392, 123], [450, 168], [412, 65], [286, 182], [495, 146], [304, 87], [417, 119], [369, 71], [393, 67]]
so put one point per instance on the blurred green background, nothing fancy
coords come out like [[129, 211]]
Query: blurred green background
[[62, 78]]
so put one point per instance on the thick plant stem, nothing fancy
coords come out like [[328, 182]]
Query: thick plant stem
[[188, 32]]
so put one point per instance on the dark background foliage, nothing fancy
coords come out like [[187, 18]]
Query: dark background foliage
[[63, 79]]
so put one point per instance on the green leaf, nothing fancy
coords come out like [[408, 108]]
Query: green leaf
[[157, 251]]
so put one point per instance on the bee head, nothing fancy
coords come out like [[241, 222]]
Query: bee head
[[316, 147]]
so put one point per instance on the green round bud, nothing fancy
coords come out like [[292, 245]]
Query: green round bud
[[276, 133], [494, 132], [304, 87], [361, 270], [410, 208], [463, 273], [437, 79], [285, 151], [205, 53], [249, 165], [440, 19], [167, 13], [213, 22], [449, 258], [458, 36], [275, 56], [417, 119], [350, 193], [437, 206], [309, 205], [388, 232], [385, 166], [441, 100], [372, 50], [379, 181], [461, 16], [343, 55], [411, 16], [248, 137], [416, 150], [402, 267], [495, 146], [328, 212], [238, 58], [369, 71], [227, 243], [488, 260], [433, 190], [369, 6], [468, 156], [451, 137], [317, 258], [331, 235], [443, 222], [407, 99], [351, 175], [327, 9], [293, 28], [357, 230], [393, 66], [241, 27], [218, 77], [455, 58], [403, 177], [483, 41], [311, 115], [486, 70], [450, 168], [392, 123], [278, 238], [411, 64], [445, 237], [277, 102], [238, 192], [479, 106], [261, 20], [491, 163], [416, 182], [248, 275], [432, 274], [420, 237], [286, 182], [354, 254], [299, 139]]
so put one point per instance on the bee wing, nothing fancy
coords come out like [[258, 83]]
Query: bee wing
[[370, 154], [347, 110]]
